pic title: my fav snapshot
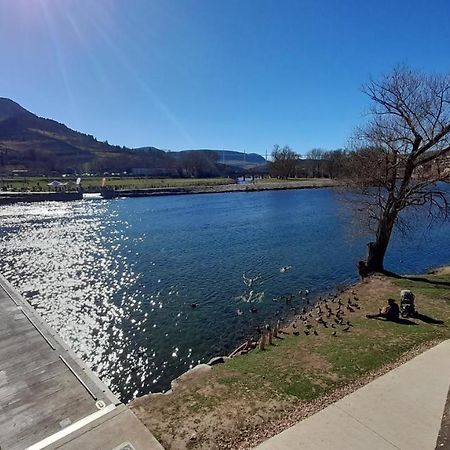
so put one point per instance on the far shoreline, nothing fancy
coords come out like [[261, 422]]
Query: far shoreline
[[9, 197], [222, 189]]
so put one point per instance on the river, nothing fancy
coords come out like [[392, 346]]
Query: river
[[117, 278]]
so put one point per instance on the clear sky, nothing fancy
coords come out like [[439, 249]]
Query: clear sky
[[232, 74]]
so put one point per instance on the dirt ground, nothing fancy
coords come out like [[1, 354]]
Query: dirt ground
[[254, 396]]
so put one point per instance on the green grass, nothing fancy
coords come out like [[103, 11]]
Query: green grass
[[307, 367], [37, 183]]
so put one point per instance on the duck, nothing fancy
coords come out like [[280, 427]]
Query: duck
[[194, 305], [239, 312]]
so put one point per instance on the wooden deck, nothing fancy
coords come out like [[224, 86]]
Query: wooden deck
[[46, 392]]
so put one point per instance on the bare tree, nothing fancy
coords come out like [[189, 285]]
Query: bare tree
[[402, 155], [284, 162], [335, 162], [316, 155]]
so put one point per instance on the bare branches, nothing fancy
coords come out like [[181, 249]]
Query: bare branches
[[402, 156], [410, 112], [284, 161]]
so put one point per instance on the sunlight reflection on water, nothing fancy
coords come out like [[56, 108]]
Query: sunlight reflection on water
[[116, 279], [69, 264]]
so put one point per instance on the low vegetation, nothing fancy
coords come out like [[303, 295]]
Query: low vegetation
[[253, 396], [93, 183]]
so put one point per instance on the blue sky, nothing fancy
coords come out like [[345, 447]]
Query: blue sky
[[232, 74]]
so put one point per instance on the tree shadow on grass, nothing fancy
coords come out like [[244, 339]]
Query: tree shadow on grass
[[413, 278]]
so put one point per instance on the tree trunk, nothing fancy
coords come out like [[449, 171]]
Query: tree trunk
[[377, 249]]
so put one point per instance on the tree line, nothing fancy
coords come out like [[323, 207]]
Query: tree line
[[317, 163]]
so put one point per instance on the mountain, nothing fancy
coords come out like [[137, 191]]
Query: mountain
[[44, 146], [234, 158]]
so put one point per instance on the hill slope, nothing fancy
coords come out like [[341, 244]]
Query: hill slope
[[41, 145]]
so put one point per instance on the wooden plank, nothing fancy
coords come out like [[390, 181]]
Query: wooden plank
[[25, 354], [39, 394], [19, 382], [45, 419]]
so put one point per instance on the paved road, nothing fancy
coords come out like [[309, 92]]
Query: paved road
[[403, 409]]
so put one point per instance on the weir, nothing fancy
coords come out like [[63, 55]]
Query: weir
[[49, 399]]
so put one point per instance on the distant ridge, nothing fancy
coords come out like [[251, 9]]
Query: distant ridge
[[41, 145]]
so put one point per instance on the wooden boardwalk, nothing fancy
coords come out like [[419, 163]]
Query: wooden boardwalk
[[48, 397]]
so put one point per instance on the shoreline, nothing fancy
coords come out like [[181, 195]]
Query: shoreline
[[220, 189], [244, 348], [223, 402], [285, 324], [10, 197]]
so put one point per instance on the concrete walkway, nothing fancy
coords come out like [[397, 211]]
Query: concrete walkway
[[403, 409]]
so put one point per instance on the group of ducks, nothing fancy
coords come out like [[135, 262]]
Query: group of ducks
[[324, 315], [327, 314]]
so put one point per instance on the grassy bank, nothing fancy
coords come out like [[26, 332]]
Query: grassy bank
[[253, 396], [93, 183], [37, 183]]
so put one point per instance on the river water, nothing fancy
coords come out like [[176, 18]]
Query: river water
[[117, 278]]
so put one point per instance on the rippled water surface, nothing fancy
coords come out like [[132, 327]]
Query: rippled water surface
[[117, 278]]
